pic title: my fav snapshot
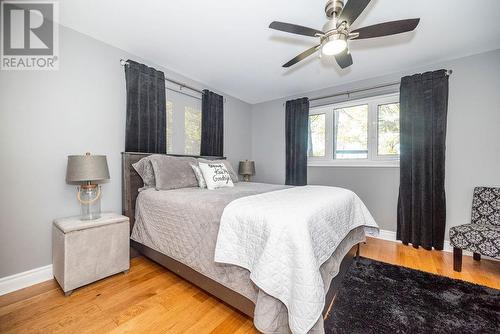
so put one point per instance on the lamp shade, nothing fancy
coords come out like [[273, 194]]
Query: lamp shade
[[246, 168], [82, 168]]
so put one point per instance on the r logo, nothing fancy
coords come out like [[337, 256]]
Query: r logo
[[28, 28]]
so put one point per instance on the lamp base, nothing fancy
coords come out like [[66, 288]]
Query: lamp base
[[246, 178], [91, 216], [89, 196]]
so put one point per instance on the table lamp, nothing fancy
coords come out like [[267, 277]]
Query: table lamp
[[87, 171], [247, 169]]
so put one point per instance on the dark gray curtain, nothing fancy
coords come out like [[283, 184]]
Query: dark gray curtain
[[422, 201], [212, 124], [297, 129], [145, 129]]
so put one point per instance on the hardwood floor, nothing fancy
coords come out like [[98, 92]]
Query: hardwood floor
[[484, 272], [150, 299]]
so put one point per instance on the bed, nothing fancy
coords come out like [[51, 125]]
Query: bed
[[179, 230]]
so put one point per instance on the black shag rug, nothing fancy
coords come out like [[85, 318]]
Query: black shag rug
[[381, 298]]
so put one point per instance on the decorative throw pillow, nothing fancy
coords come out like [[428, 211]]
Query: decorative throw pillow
[[173, 172], [229, 167], [144, 168], [199, 176], [216, 175]]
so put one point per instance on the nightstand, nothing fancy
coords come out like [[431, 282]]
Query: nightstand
[[84, 251]]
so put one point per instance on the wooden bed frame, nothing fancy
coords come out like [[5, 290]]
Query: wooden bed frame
[[131, 182]]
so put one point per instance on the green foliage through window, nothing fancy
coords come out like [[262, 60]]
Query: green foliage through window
[[192, 131], [170, 126], [351, 129], [317, 135], [388, 129]]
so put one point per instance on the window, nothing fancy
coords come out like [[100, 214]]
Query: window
[[183, 124], [317, 135], [355, 133], [170, 125], [351, 132], [388, 129], [192, 131]]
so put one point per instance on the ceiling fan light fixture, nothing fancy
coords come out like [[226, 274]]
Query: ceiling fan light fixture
[[337, 31], [334, 44]]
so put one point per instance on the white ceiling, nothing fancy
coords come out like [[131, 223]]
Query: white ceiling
[[227, 45]]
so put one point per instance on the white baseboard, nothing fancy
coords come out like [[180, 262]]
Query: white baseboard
[[391, 236], [386, 235], [25, 279]]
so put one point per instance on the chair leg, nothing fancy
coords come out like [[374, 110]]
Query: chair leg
[[357, 252], [476, 256], [457, 259]]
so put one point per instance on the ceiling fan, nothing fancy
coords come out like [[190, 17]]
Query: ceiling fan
[[337, 31]]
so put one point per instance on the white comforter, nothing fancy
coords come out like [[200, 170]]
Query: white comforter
[[283, 237]]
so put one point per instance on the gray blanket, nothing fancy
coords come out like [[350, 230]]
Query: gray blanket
[[184, 224]]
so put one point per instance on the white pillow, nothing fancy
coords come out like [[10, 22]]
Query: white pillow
[[199, 176], [216, 175]]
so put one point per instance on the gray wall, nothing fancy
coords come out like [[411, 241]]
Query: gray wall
[[473, 141], [44, 116]]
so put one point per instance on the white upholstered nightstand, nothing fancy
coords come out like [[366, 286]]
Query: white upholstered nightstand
[[84, 251]]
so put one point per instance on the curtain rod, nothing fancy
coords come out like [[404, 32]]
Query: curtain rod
[[181, 92], [123, 62], [348, 92]]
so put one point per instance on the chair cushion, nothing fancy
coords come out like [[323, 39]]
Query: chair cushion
[[477, 238], [486, 206]]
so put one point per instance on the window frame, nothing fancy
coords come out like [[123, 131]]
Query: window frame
[[328, 132], [373, 159], [355, 103]]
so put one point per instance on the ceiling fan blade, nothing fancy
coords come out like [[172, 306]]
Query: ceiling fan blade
[[351, 11], [302, 56], [344, 58], [294, 29], [386, 28]]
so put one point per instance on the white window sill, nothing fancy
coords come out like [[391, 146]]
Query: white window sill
[[354, 163]]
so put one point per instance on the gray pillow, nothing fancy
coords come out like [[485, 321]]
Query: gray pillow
[[199, 176], [229, 167], [145, 171], [173, 172]]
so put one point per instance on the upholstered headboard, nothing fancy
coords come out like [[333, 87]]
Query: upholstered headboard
[[131, 181]]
